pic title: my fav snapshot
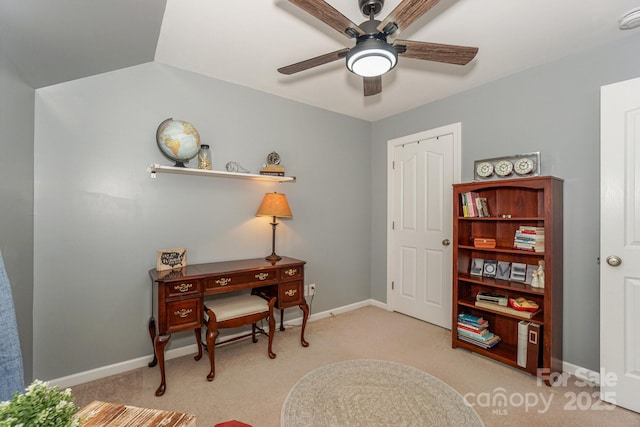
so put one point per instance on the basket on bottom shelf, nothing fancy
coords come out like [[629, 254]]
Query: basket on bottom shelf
[[475, 330]]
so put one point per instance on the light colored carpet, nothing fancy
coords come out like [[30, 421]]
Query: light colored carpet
[[374, 393], [252, 388]]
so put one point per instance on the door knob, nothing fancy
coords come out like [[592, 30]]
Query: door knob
[[614, 260], [446, 242]]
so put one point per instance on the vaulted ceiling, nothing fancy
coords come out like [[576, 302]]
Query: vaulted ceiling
[[245, 42]]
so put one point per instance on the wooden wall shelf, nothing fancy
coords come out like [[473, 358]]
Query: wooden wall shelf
[[157, 168]]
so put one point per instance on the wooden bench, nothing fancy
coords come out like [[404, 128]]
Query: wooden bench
[[233, 311]]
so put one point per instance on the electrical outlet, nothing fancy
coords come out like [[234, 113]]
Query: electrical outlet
[[312, 289], [306, 290]]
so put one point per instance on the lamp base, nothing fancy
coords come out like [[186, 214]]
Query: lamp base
[[273, 257]]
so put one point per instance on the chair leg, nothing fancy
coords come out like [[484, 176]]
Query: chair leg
[[212, 334], [253, 333]]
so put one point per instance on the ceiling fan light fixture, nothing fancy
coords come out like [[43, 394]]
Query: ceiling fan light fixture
[[371, 57]]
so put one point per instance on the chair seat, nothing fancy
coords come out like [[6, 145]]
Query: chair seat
[[232, 306]]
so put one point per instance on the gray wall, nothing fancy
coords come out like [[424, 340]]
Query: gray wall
[[554, 109], [99, 217], [16, 197]]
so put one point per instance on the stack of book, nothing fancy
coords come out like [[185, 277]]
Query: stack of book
[[475, 330], [273, 170], [529, 238], [473, 205]]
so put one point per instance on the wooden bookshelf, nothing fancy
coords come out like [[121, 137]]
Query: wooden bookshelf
[[535, 201]]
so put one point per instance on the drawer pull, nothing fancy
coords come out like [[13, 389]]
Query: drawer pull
[[291, 272], [224, 281], [183, 313], [291, 292], [262, 276], [183, 287]]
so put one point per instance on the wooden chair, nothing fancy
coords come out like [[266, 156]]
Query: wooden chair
[[235, 310]]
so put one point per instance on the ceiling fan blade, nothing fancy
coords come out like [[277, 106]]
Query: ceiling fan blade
[[330, 16], [314, 62], [372, 85], [405, 14], [450, 54]]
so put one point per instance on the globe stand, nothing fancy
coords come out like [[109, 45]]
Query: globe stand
[[179, 165]]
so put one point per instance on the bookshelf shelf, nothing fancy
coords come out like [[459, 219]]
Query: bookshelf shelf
[[528, 202]]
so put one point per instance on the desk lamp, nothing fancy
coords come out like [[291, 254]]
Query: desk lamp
[[275, 205]]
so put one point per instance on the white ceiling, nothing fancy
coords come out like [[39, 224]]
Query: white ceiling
[[244, 42]]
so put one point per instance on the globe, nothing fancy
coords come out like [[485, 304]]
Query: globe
[[178, 140]]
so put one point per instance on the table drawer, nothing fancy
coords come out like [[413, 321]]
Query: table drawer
[[290, 294], [179, 289], [241, 279], [184, 314], [290, 273]]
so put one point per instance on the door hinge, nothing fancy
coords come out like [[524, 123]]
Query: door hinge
[[393, 285], [393, 225], [393, 165]]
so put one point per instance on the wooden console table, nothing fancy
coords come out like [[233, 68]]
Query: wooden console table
[[178, 296]]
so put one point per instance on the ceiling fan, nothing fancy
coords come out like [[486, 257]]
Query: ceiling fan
[[373, 55]]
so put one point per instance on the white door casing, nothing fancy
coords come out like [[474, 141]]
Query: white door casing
[[422, 168], [620, 237]]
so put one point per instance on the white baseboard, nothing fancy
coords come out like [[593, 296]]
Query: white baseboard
[[581, 373], [141, 362]]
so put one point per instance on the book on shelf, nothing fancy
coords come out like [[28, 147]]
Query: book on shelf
[[531, 229], [481, 331], [523, 329], [484, 344], [273, 168], [488, 336], [271, 173], [534, 346], [473, 205], [507, 310], [483, 208], [529, 238], [472, 319]]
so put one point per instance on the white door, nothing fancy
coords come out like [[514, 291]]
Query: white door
[[422, 170], [620, 239]]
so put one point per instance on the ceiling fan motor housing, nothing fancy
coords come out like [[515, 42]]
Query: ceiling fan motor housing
[[367, 7]]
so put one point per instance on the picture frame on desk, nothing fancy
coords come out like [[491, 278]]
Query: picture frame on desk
[[171, 259]]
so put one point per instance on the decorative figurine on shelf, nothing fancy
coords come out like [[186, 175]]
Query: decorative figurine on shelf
[[535, 281], [235, 167], [540, 271]]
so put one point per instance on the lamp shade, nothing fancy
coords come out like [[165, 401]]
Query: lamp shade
[[274, 204]]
